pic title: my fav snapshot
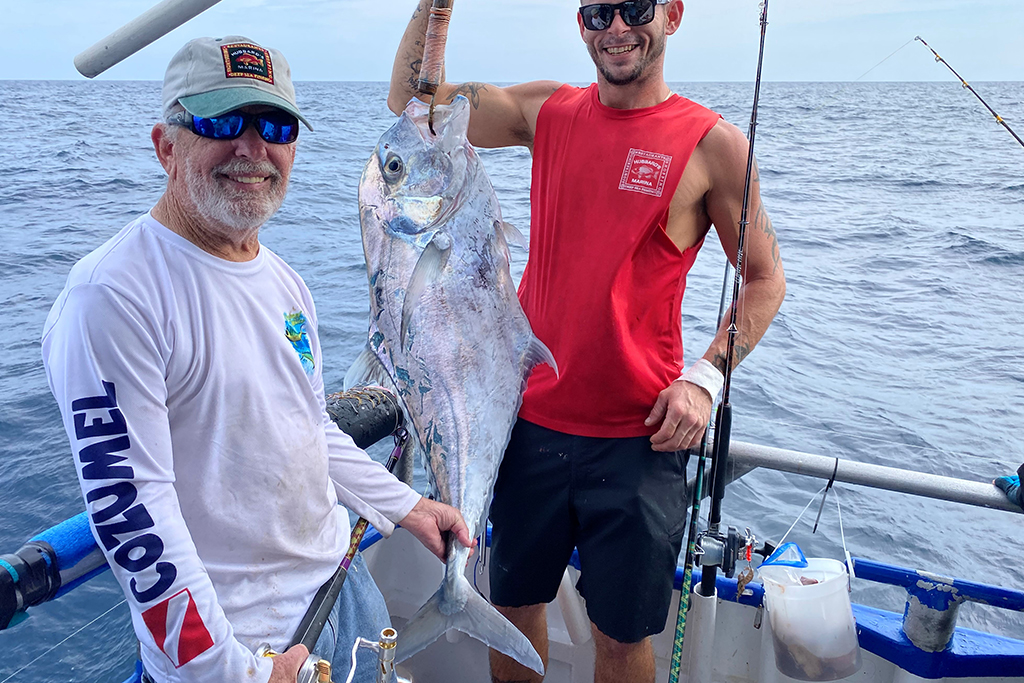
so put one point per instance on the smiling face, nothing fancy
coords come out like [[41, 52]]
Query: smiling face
[[624, 54], [233, 185]]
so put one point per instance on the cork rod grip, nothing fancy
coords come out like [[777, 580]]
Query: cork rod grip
[[433, 46]]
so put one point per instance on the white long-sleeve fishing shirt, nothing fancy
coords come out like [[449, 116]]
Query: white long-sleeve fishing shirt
[[192, 394]]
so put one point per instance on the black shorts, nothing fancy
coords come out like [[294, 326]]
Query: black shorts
[[622, 505]]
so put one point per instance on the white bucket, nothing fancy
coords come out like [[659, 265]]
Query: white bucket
[[813, 629]]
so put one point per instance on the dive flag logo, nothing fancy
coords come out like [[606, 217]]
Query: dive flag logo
[[178, 629]]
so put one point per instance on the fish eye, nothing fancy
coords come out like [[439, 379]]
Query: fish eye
[[393, 166]]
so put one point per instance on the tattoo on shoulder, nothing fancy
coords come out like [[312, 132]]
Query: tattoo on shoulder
[[471, 91]]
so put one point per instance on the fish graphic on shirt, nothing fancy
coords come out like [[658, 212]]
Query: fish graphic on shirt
[[295, 331]]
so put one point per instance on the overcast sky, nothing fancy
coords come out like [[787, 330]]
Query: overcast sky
[[508, 41]]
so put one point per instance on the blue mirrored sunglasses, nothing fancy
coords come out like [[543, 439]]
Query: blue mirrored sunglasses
[[275, 126], [633, 12]]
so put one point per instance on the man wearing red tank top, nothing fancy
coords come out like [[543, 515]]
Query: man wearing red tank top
[[627, 180]]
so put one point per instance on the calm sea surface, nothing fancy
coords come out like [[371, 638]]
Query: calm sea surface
[[900, 215]]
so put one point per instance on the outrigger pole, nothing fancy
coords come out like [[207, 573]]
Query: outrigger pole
[[999, 119], [723, 424], [152, 24]]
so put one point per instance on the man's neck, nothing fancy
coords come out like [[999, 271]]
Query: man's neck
[[636, 95], [221, 241]]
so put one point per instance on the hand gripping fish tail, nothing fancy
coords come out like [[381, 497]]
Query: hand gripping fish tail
[[448, 335]]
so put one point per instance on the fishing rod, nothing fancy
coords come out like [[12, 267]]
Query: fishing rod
[[723, 425], [999, 119], [719, 550], [691, 554]]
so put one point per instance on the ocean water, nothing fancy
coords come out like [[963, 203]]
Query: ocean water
[[900, 216]]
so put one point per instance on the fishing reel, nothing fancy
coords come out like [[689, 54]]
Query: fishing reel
[[724, 550], [317, 670]]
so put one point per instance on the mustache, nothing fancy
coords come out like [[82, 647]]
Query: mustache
[[245, 167]]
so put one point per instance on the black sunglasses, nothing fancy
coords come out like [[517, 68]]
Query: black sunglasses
[[275, 126], [633, 12]]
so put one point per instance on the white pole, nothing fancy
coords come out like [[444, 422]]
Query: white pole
[[698, 662], [155, 23]]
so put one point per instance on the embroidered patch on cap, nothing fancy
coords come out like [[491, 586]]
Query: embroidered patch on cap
[[245, 60], [645, 172]]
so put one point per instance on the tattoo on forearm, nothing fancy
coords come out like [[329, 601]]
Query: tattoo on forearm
[[471, 91], [739, 352], [414, 74]]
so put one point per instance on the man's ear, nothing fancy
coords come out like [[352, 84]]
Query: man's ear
[[674, 16], [579, 20], [163, 145]]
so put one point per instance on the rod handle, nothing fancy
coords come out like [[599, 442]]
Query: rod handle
[[152, 24], [433, 46]]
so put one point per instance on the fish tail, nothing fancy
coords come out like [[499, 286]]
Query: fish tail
[[477, 619]]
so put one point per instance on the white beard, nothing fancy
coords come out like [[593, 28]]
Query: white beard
[[237, 211]]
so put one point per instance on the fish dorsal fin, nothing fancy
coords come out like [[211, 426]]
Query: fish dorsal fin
[[514, 236], [367, 369], [428, 269], [537, 352]]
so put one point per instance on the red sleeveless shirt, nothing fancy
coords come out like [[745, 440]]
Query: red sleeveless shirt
[[604, 284]]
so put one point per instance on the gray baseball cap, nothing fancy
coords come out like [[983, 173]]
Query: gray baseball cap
[[211, 76]]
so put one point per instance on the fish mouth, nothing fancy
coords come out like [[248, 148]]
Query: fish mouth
[[403, 220]]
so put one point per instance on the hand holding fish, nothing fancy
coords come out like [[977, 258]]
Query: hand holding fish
[[683, 410], [429, 520]]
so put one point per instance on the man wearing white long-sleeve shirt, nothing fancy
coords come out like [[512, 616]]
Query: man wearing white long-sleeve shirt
[[186, 362]]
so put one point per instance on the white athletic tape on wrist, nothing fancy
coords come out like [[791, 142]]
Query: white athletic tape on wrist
[[706, 376]]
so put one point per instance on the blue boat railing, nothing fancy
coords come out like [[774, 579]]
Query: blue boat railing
[[925, 640]]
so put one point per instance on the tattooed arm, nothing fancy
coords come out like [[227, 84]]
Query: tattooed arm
[[499, 117], [711, 191], [764, 282]]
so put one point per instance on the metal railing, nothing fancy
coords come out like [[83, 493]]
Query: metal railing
[[746, 457]]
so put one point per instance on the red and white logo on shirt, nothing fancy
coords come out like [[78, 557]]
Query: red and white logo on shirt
[[178, 629], [645, 172]]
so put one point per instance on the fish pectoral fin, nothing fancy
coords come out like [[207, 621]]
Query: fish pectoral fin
[[537, 352], [428, 268], [367, 369], [514, 236], [477, 619]]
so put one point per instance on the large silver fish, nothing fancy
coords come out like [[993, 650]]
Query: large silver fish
[[448, 333]]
